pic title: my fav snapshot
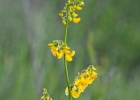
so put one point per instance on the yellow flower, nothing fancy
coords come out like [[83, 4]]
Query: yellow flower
[[68, 58], [74, 14], [67, 48], [61, 14], [59, 54], [50, 44], [76, 20], [72, 53], [69, 55], [67, 91], [83, 79], [70, 19], [54, 48], [48, 98], [82, 3], [77, 7], [58, 48], [45, 95], [69, 8], [64, 22], [69, 1], [54, 52], [66, 51], [75, 94], [42, 97]]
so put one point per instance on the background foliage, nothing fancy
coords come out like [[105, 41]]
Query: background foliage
[[107, 36]]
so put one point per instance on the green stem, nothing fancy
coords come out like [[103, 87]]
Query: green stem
[[65, 62], [67, 77]]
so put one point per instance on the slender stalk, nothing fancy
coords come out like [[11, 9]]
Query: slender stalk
[[65, 62], [67, 77]]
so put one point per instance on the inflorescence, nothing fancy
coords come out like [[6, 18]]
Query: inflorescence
[[83, 79], [45, 95], [69, 11], [59, 48]]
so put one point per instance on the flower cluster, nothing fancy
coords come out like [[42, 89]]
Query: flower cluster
[[82, 81], [59, 48], [69, 11], [45, 95]]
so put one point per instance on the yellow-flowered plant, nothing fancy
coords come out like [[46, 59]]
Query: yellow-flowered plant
[[45, 95], [83, 79], [60, 48], [69, 11]]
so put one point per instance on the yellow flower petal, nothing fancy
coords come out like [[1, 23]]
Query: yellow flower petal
[[82, 3], [93, 68], [67, 91], [48, 98], [54, 48], [61, 14], [66, 52], [76, 82], [72, 53], [83, 79], [68, 58], [76, 20], [94, 75], [42, 97], [59, 54], [50, 44], [84, 83], [66, 47], [64, 22], [90, 81], [69, 1], [80, 88], [70, 19], [77, 8], [74, 14], [74, 88], [54, 52], [75, 94]]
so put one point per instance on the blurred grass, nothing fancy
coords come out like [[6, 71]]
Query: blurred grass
[[107, 36]]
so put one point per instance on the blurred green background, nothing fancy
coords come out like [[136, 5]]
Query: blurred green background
[[108, 36]]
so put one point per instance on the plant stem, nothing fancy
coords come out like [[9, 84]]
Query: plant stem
[[65, 62], [67, 77]]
